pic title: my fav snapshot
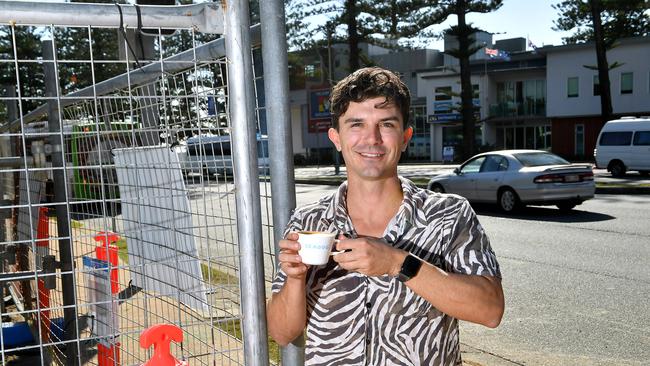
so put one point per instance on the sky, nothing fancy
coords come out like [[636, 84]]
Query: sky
[[532, 19]]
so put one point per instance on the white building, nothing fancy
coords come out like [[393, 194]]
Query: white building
[[574, 105]]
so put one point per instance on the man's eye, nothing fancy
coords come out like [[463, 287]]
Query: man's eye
[[356, 124], [388, 124]]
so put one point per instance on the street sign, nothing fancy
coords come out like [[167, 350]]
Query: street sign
[[319, 125]]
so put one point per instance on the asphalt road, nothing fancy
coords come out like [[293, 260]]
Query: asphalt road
[[577, 285]]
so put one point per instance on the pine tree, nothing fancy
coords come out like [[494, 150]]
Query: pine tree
[[464, 33]]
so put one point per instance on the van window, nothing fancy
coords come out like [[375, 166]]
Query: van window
[[642, 138], [616, 138]]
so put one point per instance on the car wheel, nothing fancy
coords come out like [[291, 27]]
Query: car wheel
[[508, 200], [436, 187], [566, 206], [617, 169]]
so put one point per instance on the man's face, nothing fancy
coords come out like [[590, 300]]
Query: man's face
[[371, 139]]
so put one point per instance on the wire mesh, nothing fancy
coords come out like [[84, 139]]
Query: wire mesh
[[148, 196]]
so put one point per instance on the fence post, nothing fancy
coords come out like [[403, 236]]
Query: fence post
[[278, 117], [60, 200], [249, 218]]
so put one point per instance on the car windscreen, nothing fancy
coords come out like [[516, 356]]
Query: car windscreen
[[539, 159]]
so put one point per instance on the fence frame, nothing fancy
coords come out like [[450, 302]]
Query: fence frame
[[278, 112], [236, 46]]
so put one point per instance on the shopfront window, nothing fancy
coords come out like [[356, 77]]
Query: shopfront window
[[420, 145], [529, 137]]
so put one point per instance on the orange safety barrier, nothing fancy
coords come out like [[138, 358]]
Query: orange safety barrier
[[160, 336]]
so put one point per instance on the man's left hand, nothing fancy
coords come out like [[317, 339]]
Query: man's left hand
[[369, 256]]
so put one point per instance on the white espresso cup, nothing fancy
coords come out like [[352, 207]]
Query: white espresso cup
[[315, 246]]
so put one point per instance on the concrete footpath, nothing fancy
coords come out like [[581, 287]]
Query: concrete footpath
[[632, 183]]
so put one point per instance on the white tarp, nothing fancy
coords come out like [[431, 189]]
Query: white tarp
[[158, 224]]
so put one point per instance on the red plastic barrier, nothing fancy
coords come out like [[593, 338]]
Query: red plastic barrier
[[108, 252], [160, 336], [42, 246], [108, 356]]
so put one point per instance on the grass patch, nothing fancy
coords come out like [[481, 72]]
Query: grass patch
[[233, 328], [622, 185], [76, 224], [217, 277], [122, 250]]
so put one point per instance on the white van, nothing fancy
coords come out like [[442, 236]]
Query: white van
[[624, 145]]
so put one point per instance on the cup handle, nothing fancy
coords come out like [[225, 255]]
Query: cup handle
[[340, 251]]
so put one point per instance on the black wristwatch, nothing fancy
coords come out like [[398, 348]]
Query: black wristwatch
[[410, 268]]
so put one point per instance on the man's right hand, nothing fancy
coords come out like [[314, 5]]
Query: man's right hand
[[290, 261], [286, 312]]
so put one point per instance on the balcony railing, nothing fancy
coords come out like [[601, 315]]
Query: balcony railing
[[520, 109]]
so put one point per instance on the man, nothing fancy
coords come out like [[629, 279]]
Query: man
[[414, 261]]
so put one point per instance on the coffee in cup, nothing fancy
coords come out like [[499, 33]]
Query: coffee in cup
[[315, 246]]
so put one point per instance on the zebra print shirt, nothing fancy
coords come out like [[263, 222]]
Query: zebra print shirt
[[355, 319]]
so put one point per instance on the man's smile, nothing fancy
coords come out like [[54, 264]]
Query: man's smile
[[371, 154]]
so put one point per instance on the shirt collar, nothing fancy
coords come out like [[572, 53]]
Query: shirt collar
[[337, 211]]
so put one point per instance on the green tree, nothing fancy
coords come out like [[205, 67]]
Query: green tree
[[27, 46], [388, 24], [603, 22], [464, 32]]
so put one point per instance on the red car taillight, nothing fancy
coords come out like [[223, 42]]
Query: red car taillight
[[564, 178], [549, 178]]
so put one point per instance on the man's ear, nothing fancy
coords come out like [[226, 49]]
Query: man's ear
[[408, 134], [333, 135]]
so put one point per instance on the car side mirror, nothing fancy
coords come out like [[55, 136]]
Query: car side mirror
[[457, 171]]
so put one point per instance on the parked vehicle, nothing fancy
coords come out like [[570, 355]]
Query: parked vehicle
[[624, 145], [514, 178], [211, 154]]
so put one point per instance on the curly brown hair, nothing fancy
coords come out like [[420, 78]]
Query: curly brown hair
[[366, 83]]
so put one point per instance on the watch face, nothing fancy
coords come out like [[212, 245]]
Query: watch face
[[410, 268]]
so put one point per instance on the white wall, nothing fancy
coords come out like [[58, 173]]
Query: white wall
[[298, 101], [565, 62], [296, 129]]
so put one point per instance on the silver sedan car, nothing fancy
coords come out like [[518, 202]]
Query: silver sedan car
[[514, 178]]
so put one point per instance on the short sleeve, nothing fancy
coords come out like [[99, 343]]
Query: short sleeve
[[294, 224], [468, 250]]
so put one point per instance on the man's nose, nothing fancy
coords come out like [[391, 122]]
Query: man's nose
[[373, 135]]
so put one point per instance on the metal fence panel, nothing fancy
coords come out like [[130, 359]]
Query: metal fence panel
[[129, 160]]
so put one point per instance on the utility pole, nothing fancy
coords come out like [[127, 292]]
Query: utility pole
[[329, 28]]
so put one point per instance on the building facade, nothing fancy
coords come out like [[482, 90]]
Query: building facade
[[545, 99], [574, 105]]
